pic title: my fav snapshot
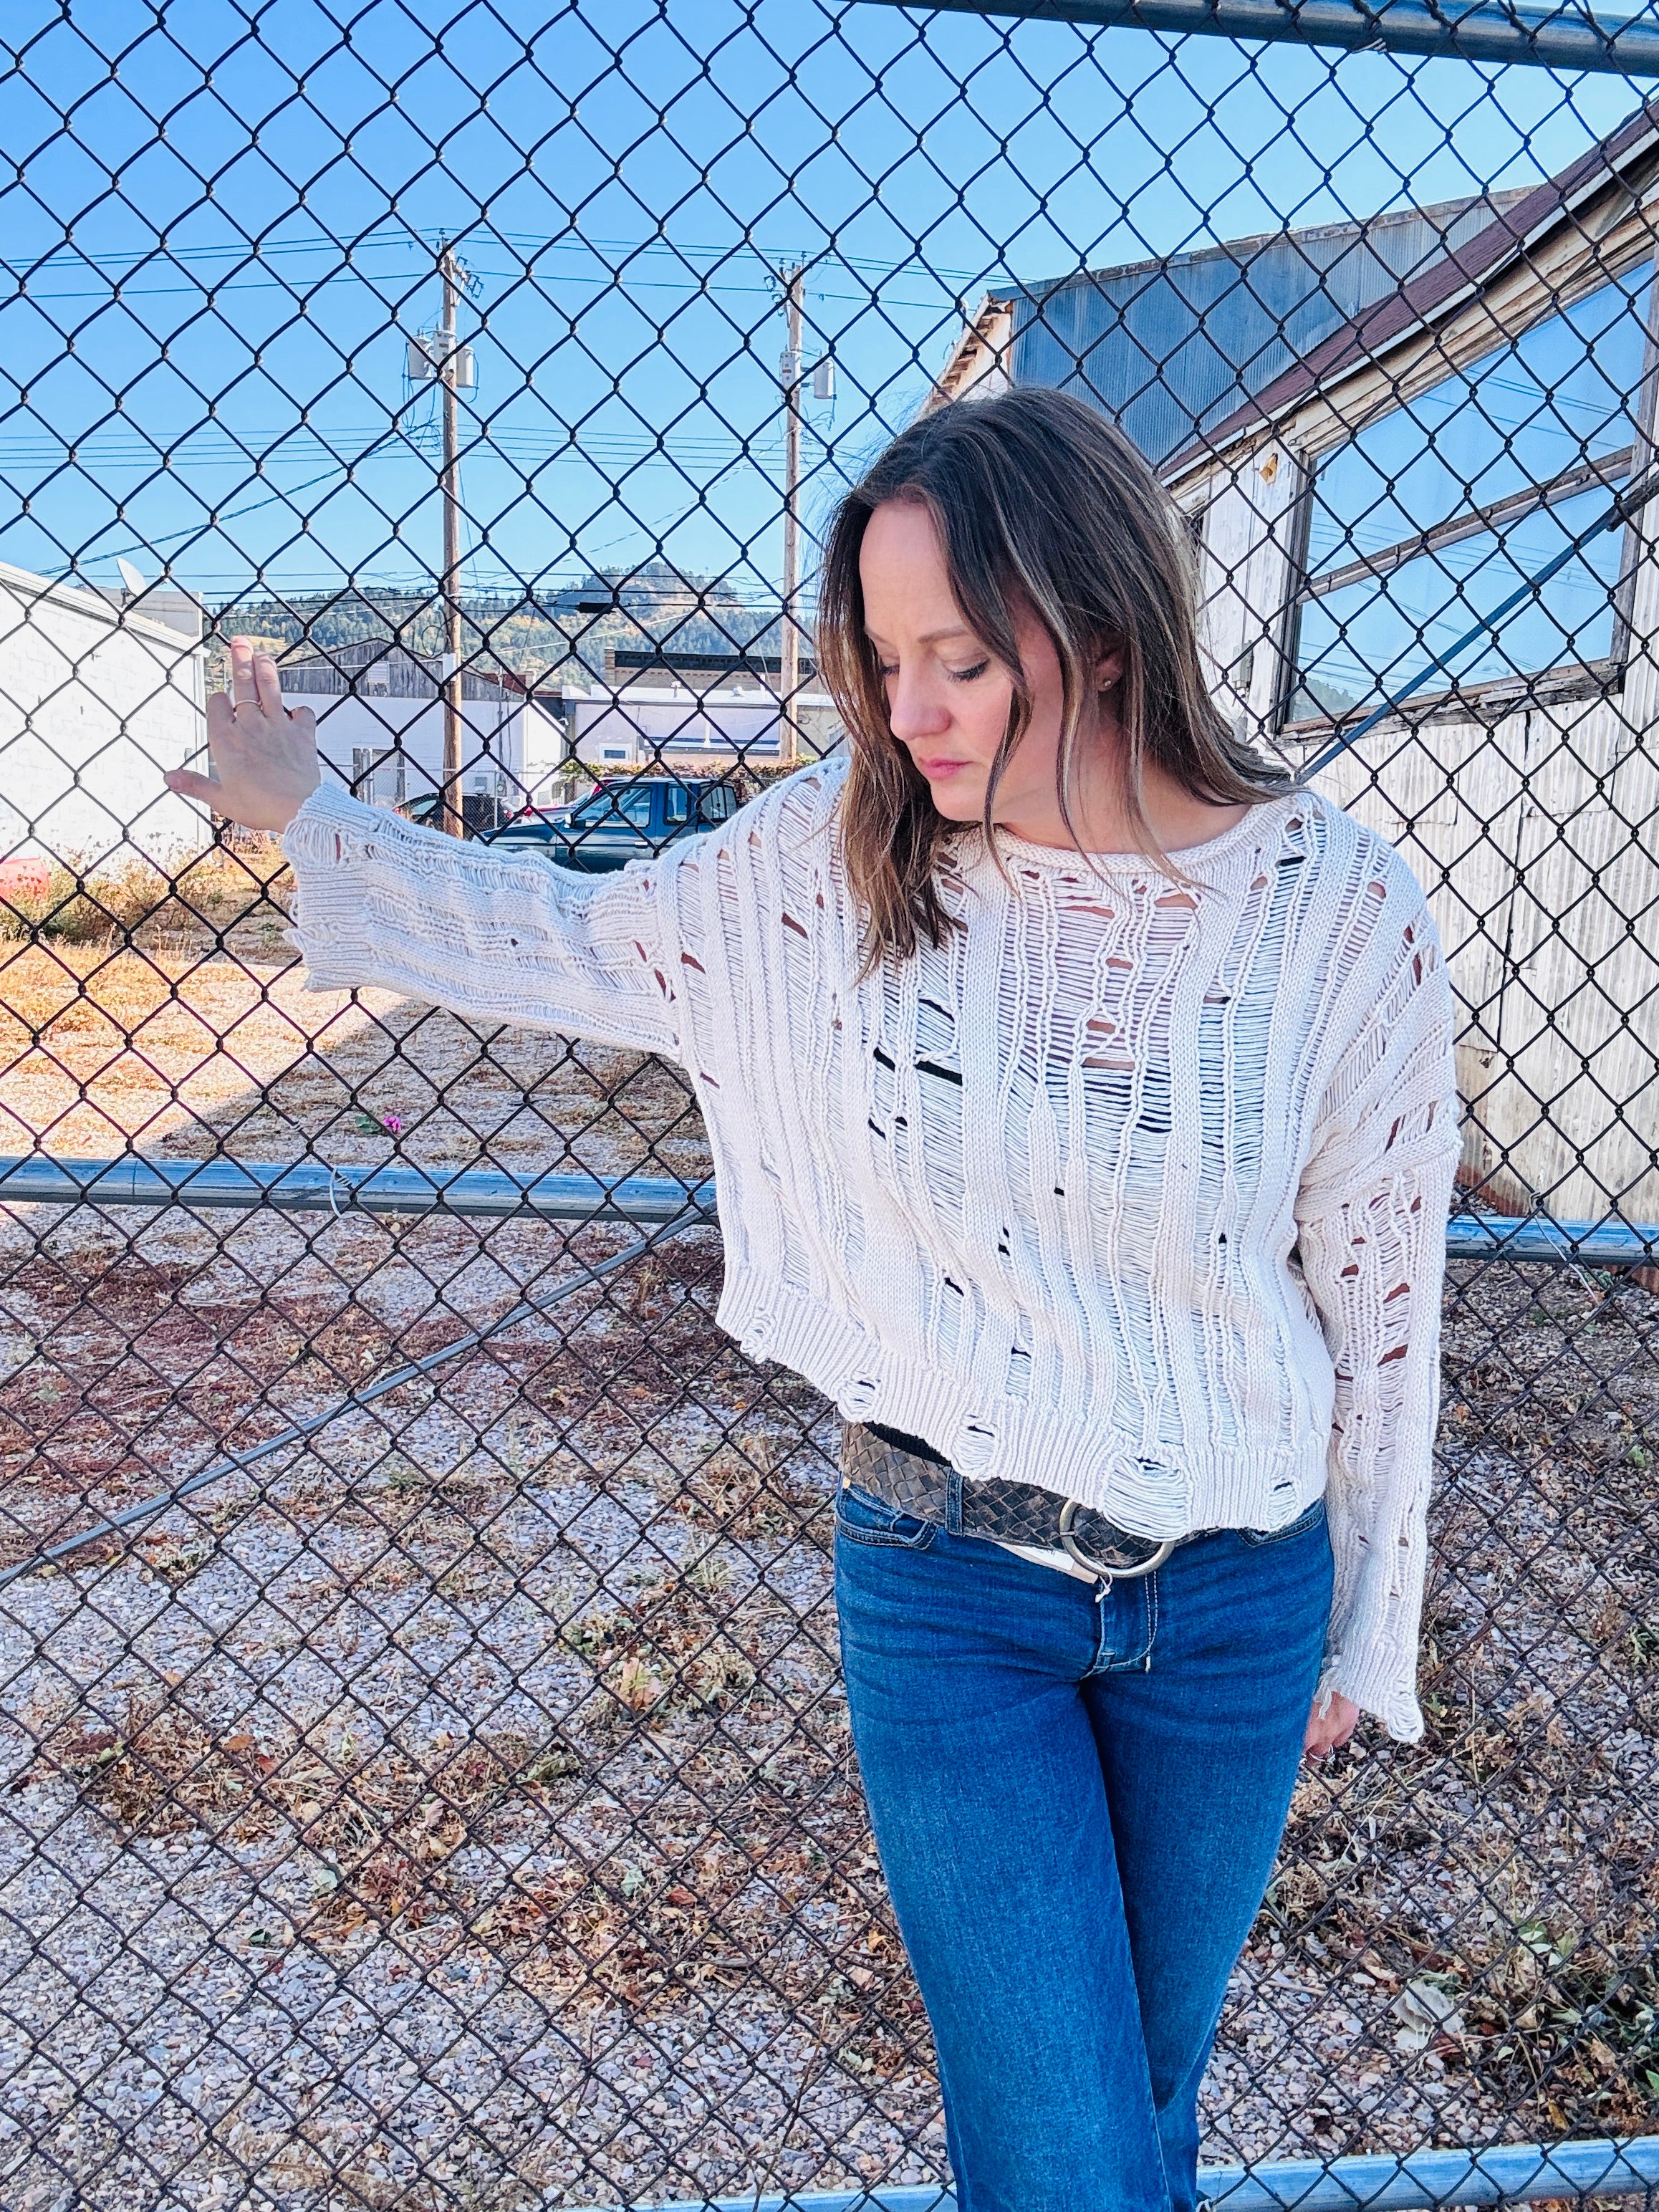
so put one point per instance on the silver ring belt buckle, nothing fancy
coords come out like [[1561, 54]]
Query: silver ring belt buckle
[[1133, 1572]]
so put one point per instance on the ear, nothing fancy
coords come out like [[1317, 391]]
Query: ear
[[1108, 669]]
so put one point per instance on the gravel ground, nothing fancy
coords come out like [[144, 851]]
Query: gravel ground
[[462, 1813], [457, 1808]]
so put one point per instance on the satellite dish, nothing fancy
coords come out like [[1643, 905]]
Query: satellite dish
[[131, 577]]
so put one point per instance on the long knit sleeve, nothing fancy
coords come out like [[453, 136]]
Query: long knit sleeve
[[498, 937], [1371, 1216]]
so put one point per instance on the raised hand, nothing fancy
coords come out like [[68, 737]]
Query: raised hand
[[265, 756]]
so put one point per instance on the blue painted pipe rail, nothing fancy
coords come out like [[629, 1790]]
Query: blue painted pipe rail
[[1585, 1243], [311, 1187], [1425, 2181]]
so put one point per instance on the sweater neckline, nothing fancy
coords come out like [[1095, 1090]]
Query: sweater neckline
[[1191, 858]]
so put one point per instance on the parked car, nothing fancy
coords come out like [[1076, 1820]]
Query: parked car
[[625, 820], [480, 812]]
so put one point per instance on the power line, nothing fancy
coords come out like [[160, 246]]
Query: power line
[[48, 449], [540, 242]]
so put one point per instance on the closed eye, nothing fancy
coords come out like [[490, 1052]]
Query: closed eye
[[968, 675]]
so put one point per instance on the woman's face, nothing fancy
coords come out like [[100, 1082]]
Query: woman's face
[[948, 698]]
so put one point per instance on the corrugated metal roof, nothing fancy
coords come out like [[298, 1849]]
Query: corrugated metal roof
[[1519, 221], [1169, 348]]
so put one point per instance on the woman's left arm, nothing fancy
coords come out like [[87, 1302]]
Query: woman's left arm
[[1371, 1229]]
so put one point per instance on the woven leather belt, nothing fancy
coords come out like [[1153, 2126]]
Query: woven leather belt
[[920, 1484]]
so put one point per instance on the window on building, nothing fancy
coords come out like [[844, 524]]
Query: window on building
[[377, 776], [1427, 520]]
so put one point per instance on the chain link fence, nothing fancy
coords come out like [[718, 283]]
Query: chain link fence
[[426, 1780]]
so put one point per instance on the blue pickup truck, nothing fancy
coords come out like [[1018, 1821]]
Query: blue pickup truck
[[625, 820]]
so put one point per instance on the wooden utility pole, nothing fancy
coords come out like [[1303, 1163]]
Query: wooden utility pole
[[450, 816], [789, 635]]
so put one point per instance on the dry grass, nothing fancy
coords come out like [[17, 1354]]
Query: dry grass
[[190, 1053], [384, 1826], [207, 898]]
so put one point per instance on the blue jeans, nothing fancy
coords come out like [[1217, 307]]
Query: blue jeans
[[1078, 1794]]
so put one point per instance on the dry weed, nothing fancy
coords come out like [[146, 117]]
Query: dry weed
[[384, 1826], [87, 904]]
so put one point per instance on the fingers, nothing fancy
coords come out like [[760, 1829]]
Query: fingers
[[255, 683], [1325, 1736], [189, 784], [1330, 1724], [268, 685], [244, 689]]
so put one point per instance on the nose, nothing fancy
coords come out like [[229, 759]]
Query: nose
[[915, 709]]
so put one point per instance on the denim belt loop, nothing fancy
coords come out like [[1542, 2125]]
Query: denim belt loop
[[953, 1505]]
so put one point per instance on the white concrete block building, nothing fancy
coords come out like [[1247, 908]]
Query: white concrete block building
[[97, 701]]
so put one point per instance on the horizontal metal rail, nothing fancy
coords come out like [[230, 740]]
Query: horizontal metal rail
[[1567, 1243], [1427, 2181], [1562, 38], [313, 1187]]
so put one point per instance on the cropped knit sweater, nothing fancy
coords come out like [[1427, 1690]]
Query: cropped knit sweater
[[1134, 1187]]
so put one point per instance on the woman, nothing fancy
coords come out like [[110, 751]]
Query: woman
[[1081, 1103]]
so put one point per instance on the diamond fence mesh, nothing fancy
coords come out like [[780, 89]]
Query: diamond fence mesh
[[426, 1778]]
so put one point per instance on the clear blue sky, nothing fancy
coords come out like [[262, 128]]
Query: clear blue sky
[[216, 235]]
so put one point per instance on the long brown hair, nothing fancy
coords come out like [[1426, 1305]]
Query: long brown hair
[[1040, 503]]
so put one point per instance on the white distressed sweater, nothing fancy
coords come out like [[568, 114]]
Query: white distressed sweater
[[1134, 1188]]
